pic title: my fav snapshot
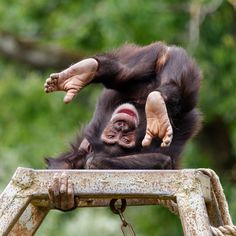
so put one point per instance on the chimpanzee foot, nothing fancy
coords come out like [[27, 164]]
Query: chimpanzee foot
[[72, 79], [61, 193], [158, 123]]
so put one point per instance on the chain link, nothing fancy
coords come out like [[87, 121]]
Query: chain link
[[126, 228]]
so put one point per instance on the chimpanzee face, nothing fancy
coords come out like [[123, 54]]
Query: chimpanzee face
[[121, 128]]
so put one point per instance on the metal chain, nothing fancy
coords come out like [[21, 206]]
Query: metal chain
[[126, 228]]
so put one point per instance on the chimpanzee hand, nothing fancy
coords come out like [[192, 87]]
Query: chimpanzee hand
[[158, 123], [61, 193], [72, 79]]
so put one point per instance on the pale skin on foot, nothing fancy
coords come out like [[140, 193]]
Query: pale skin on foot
[[73, 79], [77, 76], [158, 123]]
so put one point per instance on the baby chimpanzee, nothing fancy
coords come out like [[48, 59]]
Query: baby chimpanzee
[[145, 114]]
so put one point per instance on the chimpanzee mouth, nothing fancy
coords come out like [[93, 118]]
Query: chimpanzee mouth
[[126, 112]]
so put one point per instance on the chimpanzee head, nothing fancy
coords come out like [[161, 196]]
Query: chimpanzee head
[[121, 129]]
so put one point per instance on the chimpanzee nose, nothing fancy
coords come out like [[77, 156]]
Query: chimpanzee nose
[[121, 126]]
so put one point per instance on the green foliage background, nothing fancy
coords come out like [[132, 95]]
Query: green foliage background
[[34, 125]]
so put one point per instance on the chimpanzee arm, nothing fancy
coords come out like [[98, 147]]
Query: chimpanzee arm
[[74, 158], [137, 161]]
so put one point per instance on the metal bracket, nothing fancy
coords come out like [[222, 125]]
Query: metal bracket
[[24, 202]]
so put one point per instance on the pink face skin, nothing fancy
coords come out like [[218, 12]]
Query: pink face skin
[[121, 128]]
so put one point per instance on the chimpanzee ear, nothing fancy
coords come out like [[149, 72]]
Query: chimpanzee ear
[[57, 163], [86, 146]]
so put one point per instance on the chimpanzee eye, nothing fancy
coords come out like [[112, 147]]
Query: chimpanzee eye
[[125, 140]]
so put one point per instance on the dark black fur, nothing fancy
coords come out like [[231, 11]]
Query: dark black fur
[[129, 75]]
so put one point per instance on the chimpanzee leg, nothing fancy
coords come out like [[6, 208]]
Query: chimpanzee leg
[[112, 69], [138, 161]]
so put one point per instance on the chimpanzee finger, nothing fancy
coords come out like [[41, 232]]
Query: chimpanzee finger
[[54, 192], [63, 191], [147, 140], [71, 93], [165, 143], [70, 194], [168, 137], [54, 76]]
